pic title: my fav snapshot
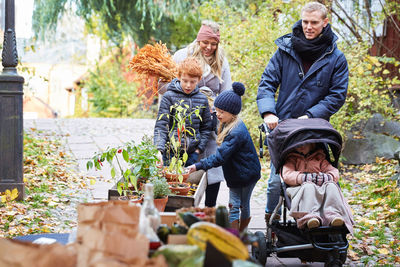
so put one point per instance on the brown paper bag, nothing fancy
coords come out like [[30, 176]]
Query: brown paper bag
[[108, 233], [14, 253], [158, 261], [117, 243], [110, 211]]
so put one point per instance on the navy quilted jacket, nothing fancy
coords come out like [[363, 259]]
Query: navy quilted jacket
[[319, 93], [201, 126], [238, 158]]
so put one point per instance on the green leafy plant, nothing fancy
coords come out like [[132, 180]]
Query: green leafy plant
[[140, 160], [144, 159], [181, 115], [160, 187]]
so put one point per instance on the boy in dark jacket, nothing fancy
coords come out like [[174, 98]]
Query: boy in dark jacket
[[185, 91], [236, 154]]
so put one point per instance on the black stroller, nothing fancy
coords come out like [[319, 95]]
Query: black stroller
[[322, 244]]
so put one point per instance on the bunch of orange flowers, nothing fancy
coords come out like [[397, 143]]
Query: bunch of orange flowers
[[153, 63]]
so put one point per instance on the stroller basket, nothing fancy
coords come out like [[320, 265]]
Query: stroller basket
[[324, 240]]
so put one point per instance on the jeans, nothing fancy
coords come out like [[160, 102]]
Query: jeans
[[273, 191], [239, 202]]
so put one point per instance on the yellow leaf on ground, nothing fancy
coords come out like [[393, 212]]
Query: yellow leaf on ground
[[92, 181], [14, 194], [383, 251], [352, 255]]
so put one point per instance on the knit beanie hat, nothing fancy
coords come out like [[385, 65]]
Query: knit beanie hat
[[230, 100]]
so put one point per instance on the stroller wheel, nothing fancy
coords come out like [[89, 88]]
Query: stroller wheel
[[334, 264], [260, 252], [333, 261]]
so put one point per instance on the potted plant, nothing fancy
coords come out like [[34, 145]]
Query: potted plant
[[143, 160], [178, 188], [140, 164], [161, 191], [181, 117]]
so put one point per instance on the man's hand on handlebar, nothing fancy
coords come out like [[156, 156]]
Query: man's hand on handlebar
[[271, 120], [303, 117]]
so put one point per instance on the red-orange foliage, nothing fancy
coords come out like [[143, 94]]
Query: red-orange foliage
[[151, 63]]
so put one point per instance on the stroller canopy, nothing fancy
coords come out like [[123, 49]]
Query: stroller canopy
[[291, 133]]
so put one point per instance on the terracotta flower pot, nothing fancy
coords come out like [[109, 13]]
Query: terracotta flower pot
[[180, 189], [173, 177], [160, 203], [132, 198]]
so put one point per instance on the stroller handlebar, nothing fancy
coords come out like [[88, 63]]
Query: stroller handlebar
[[263, 128]]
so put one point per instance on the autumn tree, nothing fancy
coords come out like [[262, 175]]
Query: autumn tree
[[172, 21]]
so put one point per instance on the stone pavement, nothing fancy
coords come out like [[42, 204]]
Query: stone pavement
[[83, 137]]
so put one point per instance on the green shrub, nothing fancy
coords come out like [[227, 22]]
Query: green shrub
[[248, 35]]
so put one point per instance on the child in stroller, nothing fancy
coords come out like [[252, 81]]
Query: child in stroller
[[306, 154], [315, 195]]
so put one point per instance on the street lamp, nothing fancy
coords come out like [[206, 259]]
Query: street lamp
[[11, 121]]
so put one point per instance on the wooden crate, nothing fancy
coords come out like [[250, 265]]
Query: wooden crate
[[174, 202]]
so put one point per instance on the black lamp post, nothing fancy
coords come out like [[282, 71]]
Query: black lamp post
[[11, 121]]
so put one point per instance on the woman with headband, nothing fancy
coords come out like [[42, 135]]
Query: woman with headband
[[216, 78]]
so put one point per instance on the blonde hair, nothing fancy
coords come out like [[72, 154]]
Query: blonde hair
[[225, 128], [217, 60], [315, 6]]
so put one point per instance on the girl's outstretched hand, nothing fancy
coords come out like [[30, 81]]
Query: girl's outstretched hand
[[191, 168]]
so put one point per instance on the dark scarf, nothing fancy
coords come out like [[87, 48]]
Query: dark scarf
[[311, 50]]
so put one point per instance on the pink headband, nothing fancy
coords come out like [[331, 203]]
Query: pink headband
[[205, 33]]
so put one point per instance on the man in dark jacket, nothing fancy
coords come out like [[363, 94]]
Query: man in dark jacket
[[312, 77], [185, 93]]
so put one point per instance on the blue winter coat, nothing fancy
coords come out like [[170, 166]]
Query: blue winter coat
[[319, 93], [201, 126], [238, 158]]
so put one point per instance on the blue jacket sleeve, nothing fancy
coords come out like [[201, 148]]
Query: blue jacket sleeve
[[223, 153], [332, 102], [270, 81]]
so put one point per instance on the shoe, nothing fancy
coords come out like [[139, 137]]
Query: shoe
[[313, 223], [337, 221], [243, 224]]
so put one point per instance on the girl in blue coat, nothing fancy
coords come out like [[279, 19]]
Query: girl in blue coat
[[236, 154]]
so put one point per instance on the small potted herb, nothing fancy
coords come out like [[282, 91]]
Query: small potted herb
[[161, 191]]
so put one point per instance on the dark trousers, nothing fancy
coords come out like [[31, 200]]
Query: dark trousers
[[212, 194]]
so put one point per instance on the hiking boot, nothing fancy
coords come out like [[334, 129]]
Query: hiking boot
[[243, 224], [313, 223]]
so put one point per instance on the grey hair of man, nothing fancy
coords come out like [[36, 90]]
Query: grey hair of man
[[315, 6]]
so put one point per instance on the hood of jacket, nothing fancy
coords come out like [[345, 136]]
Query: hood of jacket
[[175, 86]]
